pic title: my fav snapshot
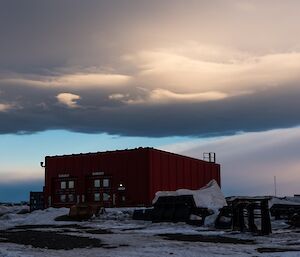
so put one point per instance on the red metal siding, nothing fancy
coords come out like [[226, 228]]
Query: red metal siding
[[127, 167], [142, 171], [171, 172]]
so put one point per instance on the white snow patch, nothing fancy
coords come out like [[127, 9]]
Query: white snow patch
[[209, 196], [34, 218], [286, 201], [4, 209]]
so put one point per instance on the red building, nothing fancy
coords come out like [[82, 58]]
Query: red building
[[122, 178]]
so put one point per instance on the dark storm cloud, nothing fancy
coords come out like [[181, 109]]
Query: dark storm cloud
[[263, 110], [148, 68], [39, 36]]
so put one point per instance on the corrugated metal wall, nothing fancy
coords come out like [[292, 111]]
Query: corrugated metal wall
[[171, 172], [143, 171], [127, 167]]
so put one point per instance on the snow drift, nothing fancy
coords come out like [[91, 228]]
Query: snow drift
[[209, 196]]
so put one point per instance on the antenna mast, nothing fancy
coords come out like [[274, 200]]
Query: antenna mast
[[275, 186]]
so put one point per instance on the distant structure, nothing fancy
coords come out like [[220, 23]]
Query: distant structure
[[128, 177], [36, 201]]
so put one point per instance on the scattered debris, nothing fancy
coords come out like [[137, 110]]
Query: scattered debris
[[283, 207], [246, 214], [295, 220], [224, 219], [183, 205], [81, 212], [284, 211], [180, 208]]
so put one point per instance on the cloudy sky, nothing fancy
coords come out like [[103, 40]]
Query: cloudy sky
[[81, 76]]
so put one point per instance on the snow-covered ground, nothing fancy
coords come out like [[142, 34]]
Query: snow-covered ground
[[124, 237], [5, 209], [11, 218]]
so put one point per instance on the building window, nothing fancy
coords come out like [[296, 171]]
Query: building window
[[106, 197], [63, 184], [71, 184], [63, 198], [97, 197], [97, 183], [106, 182], [71, 198]]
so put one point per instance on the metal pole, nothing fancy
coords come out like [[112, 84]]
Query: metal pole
[[275, 186]]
